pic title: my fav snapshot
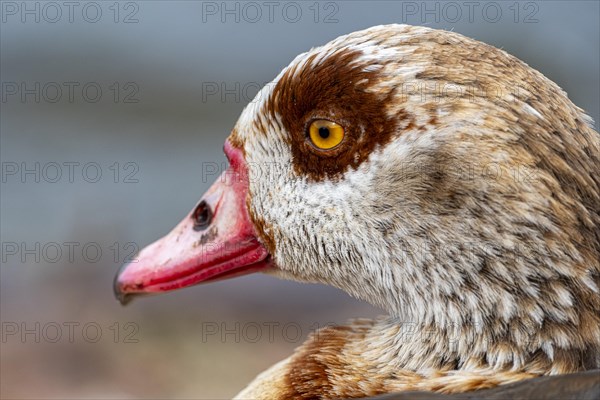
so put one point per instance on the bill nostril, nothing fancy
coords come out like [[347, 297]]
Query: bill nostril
[[202, 216]]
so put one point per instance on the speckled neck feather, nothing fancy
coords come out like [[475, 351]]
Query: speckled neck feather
[[465, 200]]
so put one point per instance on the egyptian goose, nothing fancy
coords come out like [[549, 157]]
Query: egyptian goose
[[427, 173]]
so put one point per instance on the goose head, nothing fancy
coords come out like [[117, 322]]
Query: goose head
[[427, 173]]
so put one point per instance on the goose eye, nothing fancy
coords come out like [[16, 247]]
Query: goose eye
[[325, 134]]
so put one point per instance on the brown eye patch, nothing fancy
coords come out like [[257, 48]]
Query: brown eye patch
[[335, 89]]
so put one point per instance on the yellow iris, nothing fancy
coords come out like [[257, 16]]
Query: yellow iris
[[325, 134]]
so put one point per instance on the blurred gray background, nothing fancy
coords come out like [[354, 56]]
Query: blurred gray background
[[148, 91]]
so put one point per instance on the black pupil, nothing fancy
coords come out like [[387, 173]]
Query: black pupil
[[324, 132], [202, 216]]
